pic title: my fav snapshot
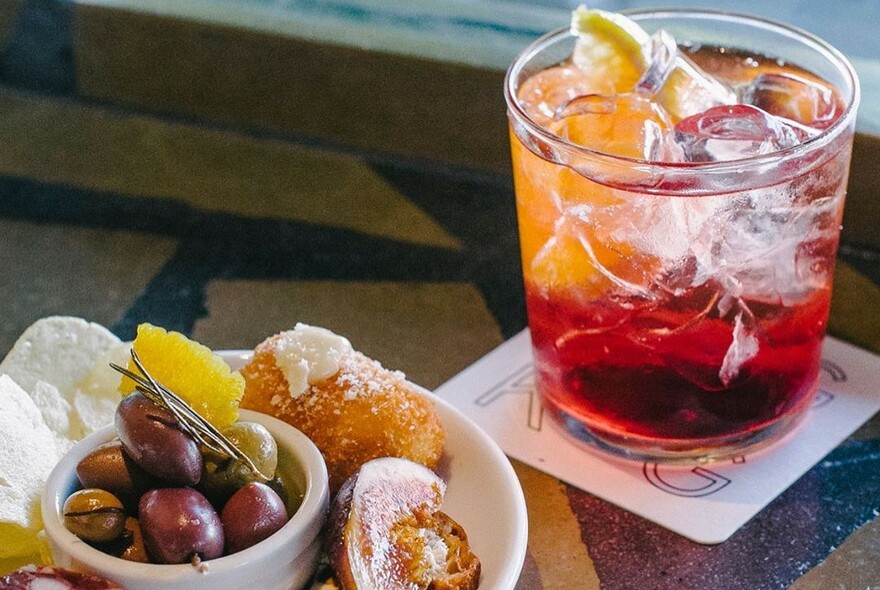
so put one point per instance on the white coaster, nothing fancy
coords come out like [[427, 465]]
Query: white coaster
[[705, 503]]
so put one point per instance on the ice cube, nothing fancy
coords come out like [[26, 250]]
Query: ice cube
[[542, 94], [676, 236], [651, 239], [734, 132], [743, 349], [794, 97], [581, 255], [765, 247], [677, 83], [662, 60], [628, 125]]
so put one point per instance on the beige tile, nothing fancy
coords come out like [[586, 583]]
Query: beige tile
[[392, 103], [96, 274], [431, 331], [855, 565], [555, 544], [52, 140], [855, 308], [862, 210]]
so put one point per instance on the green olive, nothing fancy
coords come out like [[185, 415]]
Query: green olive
[[222, 476], [94, 515]]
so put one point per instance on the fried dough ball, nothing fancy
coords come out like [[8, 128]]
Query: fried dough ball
[[362, 412]]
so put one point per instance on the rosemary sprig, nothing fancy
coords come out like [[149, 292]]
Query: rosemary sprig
[[190, 421]]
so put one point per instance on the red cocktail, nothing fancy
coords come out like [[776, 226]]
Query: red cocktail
[[680, 181]]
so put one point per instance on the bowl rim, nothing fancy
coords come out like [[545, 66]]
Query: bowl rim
[[303, 527]]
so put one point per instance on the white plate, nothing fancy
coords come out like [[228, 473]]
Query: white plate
[[483, 493]]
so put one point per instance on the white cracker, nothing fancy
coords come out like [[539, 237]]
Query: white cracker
[[97, 394], [59, 350]]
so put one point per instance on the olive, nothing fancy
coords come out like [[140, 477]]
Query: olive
[[134, 550], [153, 438], [178, 525], [129, 545], [94, 515], [252, 514], [222, 475], [281, 488], [110, 468]]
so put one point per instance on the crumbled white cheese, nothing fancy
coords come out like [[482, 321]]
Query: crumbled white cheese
[[91, 413], [436, 553], [64, 364], [307, 355], [46, 583], [56, 413], [27, 454]]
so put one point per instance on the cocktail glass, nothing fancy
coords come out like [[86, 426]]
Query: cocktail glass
[[677, 308]]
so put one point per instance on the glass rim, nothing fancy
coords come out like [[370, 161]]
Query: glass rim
[[824, 137]]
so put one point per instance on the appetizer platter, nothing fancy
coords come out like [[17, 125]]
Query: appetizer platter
[[299, 464]]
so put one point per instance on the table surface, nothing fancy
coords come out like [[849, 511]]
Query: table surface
[[131, 191]]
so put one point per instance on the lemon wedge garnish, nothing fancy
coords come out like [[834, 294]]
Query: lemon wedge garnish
[[614, 47], [609, 46]]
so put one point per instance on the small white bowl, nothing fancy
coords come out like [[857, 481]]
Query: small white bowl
[[284, 561]]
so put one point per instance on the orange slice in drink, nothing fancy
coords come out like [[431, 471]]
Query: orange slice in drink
[[562, 265], [627, 125]]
